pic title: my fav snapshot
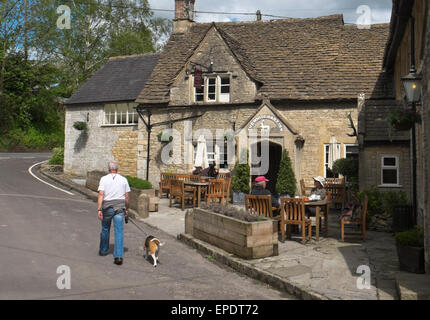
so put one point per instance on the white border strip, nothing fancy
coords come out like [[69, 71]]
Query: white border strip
[[29, 171]]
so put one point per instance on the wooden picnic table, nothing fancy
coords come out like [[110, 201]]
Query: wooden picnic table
[[318, 204], [197, 185]]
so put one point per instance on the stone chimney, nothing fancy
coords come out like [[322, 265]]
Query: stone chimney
[[184, 15]]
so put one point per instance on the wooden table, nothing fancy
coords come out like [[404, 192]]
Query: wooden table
[[199, 185], [318, 204]]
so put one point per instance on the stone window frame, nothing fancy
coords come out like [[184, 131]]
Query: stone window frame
[[219, 97], [386, 167], [130, 105]]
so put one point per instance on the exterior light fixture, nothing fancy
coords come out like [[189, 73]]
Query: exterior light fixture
[[412, 86]]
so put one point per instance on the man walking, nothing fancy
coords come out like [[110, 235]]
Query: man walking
[[113, 201]]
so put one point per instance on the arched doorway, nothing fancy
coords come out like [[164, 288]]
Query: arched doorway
[[275, 155]]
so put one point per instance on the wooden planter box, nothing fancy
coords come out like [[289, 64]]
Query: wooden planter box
[[248, 240]]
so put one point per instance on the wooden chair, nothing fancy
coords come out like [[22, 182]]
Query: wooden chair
[[165, 182], [334, 181], [338, 193], [359, 221], [260, 205], [293, 213], [223, 175], [215, 190], [177, 190], [227, 185], [303, 188]]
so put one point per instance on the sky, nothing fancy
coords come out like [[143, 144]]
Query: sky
[[380, 10]]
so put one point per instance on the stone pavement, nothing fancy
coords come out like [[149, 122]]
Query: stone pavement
[[325, 269]]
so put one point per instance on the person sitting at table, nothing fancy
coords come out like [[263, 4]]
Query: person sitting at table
[[197, 171], [259, 189], [317, 190], [210, 171]]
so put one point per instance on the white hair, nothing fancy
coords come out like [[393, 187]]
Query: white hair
[[113, 165]]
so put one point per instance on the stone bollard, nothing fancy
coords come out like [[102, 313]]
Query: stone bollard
[[143, 206]]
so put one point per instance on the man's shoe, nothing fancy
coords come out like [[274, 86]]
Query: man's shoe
[[103, 254], [118, 261]]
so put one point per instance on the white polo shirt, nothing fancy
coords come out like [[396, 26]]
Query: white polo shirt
[[114, 187]]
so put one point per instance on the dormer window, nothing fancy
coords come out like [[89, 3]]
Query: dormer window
[[215, 88]]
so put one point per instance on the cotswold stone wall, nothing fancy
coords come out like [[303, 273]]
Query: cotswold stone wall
[[316, 123], [370, 167], [92, 150], [242, 88]]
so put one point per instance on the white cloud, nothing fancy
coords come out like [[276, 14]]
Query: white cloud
[[381, 9]]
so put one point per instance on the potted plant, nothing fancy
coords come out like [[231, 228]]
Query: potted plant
[[403, 119], [286, 182], [410, 249], [240, 180]]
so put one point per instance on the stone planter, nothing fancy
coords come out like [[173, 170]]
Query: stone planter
[[248, 240], [411, 259], [238, 198]]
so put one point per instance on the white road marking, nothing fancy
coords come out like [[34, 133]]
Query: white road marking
[[29, 171]]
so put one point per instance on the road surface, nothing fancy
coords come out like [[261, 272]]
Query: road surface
[[42, 228]]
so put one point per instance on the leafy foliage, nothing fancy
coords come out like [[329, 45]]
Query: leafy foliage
[[138, 183], [80, 125], [346, 166], [41, 64], [286, 182], [240, 180], [382, 201], [57, 156], [413, 237], [403, 117]]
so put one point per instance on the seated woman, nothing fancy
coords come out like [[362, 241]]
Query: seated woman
[[317, 190]]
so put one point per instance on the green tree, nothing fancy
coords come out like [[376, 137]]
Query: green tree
[[240, 180], [286, 181]]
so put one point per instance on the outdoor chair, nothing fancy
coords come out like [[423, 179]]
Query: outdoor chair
[[223, 175], [177, 191], [165, 182], [261, 206], [215, 191], [334, 181], [303, 187], [338, 193], [357, 221], [227, 185], [293, 213]]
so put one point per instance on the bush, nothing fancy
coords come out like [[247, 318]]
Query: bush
[[347, 167], [286, 182], [240, 180], [382, 201], [57, 156], [138, 183], [413, 237]]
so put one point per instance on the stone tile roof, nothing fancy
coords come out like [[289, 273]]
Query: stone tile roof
[[372, 123], [120, 79], [304, 59]]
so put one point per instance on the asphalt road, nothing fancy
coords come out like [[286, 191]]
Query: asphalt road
[[42, 228]]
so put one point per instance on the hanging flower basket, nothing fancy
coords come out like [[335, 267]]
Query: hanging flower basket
[[164, 138], [81, 126], [402, 120]]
